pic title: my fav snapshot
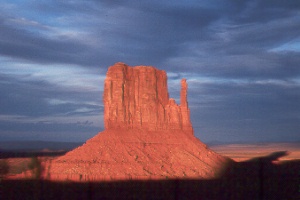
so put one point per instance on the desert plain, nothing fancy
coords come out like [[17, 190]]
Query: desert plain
[[237, 152], [243, 152]]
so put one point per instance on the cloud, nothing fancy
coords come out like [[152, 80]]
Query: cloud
[[241, 60], [53, 131], [145, 33], [245, 110], [117, 32], [30, 105], [33, 98]]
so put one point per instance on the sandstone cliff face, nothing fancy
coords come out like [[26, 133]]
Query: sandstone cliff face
[[147, 135], [137, 97]]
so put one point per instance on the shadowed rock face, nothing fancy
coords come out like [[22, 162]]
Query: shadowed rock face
[[137, 97], [147, 135]]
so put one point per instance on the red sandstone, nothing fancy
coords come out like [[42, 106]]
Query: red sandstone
[[147, 135], [137, 97], [138, 154]]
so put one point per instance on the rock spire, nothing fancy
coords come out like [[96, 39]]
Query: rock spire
[[147, 135], [137, 97]]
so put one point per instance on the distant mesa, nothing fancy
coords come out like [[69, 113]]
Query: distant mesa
[[147, 135]]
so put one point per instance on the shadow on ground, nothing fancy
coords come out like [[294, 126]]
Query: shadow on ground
[[259, 178]]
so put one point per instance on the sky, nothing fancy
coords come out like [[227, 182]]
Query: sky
[[240, 58]]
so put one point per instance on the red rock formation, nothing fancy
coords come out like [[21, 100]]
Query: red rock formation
[[137, 97], [137, 154], [185, 111], [146, 136]]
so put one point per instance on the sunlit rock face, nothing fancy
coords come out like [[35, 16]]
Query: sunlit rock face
[[147, 135], [137, 97]]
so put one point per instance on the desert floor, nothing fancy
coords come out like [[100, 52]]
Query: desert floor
[[243, 152], [255, 175], [237, 152]]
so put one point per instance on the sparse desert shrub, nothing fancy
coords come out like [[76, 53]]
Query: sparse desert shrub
[[4, 168], [36, 168]]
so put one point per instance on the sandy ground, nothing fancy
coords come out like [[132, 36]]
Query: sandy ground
[[242, 152], [257, 179], [237, 152]]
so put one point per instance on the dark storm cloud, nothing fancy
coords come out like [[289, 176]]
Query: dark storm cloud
[[145, 34], [245, 111], [278, 99], [253, 11], [19, 43], [242, 74], [44, 130], [264, 65], [33, 109], [42, 126], [32, 98], [150, 33]]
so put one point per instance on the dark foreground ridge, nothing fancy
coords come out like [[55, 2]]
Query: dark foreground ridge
[[259, 178]]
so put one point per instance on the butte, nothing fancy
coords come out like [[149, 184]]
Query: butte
[[147, 135]]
